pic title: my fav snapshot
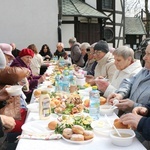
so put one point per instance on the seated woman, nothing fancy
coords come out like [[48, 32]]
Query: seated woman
[[126, 66], [7, 50], [60, 51], [11, 76], [85, 47], [24, 60], [45, 52], [36, 61]]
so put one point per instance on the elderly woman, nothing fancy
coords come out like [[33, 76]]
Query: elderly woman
[[60, 51], [36, 61], [126, 66], [24, 60], [85, 47], [7, 50]]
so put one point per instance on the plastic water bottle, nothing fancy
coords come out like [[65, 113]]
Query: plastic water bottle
[[58, 87], [94, 103], [65, 83]]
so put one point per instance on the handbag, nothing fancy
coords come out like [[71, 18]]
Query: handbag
[[12, 108]]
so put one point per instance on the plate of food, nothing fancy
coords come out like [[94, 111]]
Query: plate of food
[[77, 135], [77, 142], [102, 127]]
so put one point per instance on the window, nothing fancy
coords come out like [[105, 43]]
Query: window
[[108, 34], [107, 4]]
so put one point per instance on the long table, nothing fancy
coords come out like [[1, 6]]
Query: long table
[[99, 142]]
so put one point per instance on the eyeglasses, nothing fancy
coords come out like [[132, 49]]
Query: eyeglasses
[[97, 52]]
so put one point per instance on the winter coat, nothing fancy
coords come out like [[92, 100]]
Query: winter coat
[[33, 80], [76, 55], [137, 88], [119, 75], [106, 67], [144, 125]]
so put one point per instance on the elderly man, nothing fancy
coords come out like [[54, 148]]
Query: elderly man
[[126, 66], [105, 63], [134, 91], [76, 56]]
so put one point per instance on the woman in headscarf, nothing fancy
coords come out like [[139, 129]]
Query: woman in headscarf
[[24, 60]]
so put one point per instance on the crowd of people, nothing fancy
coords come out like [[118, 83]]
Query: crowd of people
[[115, 72]]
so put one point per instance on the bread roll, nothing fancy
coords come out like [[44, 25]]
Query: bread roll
[[102, 100], [78, 129], [67, 133], [37, 93], [77, 137], [119, 125], [52, 125], [88, 135]]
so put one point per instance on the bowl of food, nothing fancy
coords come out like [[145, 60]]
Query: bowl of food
[[107, 109], [126, 139], [14, 90]]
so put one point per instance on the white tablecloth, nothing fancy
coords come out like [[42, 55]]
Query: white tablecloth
[[99, 142]]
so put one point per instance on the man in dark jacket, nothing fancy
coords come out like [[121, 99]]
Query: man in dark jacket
[[139, 120]]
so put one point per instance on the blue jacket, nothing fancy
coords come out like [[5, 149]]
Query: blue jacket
[[144, 125], [136, 88]]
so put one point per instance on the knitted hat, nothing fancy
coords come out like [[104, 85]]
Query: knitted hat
[[102, 46], [25, 52], [7, 49], [2, 60]]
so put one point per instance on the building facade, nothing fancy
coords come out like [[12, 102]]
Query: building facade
[[47, 22]]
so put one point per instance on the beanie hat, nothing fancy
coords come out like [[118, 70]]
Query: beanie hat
[[7, 49], [102, 46], [2, 60], [25, 52]]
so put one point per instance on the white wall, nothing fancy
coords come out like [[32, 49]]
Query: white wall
[[91, 2], [67, 33], [29, 21]]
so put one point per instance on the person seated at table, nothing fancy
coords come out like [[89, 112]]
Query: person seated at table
[[15, 51], [6, 124], [36, 61], [134, 91], [85, 47], [7, 50], [92, 68], [24, 60], [76, 56], [60, 51], [45, 52], [11, 76], [126, 66], [139, 120], [105, 63]]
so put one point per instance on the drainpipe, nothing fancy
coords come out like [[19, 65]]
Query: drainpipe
[[59, 20]]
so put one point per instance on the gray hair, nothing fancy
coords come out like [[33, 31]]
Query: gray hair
[[85, 45], [125, 52], [72, 40]]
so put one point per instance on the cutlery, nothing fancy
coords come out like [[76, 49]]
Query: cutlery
[[111, 125]]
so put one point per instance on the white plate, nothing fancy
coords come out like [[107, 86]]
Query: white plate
[[102, 127], [38, 127], [77, 142]]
